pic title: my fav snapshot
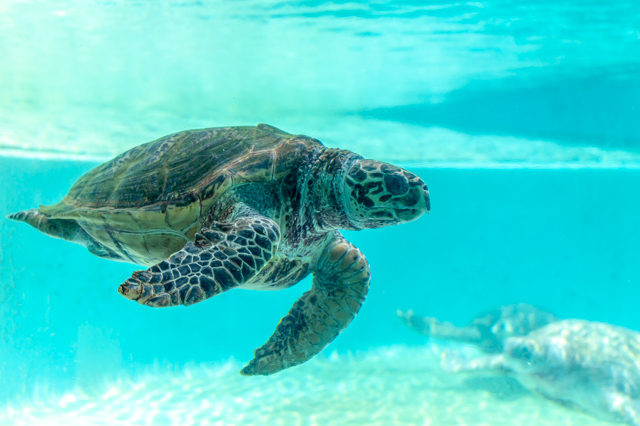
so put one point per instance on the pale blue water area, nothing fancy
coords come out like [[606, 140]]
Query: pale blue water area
[[523, 117]]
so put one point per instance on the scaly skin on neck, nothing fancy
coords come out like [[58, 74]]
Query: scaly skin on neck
[[322, 191]]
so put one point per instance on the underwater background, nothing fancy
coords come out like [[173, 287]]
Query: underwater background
[[523, 117]]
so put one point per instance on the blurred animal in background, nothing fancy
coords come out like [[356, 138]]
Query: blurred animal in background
[[592, 366], [487, 331]]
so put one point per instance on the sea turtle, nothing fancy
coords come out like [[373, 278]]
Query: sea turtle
[[592, 366], [487, 331], [247, 207]]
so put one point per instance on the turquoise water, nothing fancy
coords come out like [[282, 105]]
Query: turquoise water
[[522, 117]]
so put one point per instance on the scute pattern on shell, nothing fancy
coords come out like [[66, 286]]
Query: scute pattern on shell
[[166, 170]]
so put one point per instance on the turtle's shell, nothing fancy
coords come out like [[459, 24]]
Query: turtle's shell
[[146, 203], [589, 343]]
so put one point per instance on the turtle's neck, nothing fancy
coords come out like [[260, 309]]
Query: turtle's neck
[[322, 185]]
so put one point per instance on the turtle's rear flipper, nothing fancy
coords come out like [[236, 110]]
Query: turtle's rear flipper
[[65, 229], [340, 285], [219, 259], [433, 327]]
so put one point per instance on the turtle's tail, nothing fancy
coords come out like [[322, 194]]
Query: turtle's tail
[[65, 229]]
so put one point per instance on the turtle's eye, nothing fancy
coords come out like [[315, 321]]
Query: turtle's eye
[[523, 352], [396, 184]]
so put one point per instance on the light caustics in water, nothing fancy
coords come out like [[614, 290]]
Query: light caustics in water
[[395, 385], [98, 77]]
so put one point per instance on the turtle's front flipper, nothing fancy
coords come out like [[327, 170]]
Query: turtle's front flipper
[[477, 333], [220, 258], [340, 285], [433, 327]]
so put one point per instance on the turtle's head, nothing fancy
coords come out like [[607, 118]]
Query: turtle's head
[[535, 356], [378, 194]]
